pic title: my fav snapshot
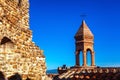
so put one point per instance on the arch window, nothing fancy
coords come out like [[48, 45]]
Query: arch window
[[6, 45]]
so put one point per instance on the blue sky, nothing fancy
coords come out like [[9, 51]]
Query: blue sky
[[55, 22]]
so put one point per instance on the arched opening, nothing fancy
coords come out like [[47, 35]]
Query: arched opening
[[88, 57], [81, 58], [6, 45], [5, 40]]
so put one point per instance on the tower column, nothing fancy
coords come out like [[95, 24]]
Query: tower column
[[77, 58], [93, 60], [84, 58]]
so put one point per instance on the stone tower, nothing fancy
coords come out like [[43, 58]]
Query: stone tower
[[17, 51], [84, 42]]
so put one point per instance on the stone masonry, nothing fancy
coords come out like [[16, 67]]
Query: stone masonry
[[17, 51]]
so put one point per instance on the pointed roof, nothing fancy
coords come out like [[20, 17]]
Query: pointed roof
[[84, 30]]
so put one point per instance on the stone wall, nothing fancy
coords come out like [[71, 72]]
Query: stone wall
[[17, 51]]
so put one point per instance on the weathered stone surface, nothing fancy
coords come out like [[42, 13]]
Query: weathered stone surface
[[17, 51]]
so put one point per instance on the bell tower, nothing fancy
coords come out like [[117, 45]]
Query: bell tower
[[84, 42]]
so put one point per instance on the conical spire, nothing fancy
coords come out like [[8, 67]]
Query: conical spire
[[84, 30]]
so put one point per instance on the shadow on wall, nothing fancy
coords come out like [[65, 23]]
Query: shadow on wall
[[16, 76]]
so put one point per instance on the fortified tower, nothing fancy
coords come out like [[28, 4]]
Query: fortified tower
[[84, 42], [17, 51]]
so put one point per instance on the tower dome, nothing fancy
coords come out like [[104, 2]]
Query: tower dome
[[84, 32]]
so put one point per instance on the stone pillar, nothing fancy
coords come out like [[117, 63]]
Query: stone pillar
[[93, 60], [77, 58], [84, 58]]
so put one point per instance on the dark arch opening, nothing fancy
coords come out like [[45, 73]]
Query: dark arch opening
[[5, 40], [89, 57], [6, 45], [16, 76]]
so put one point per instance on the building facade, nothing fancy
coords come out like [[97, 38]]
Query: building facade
[[18, 54]]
